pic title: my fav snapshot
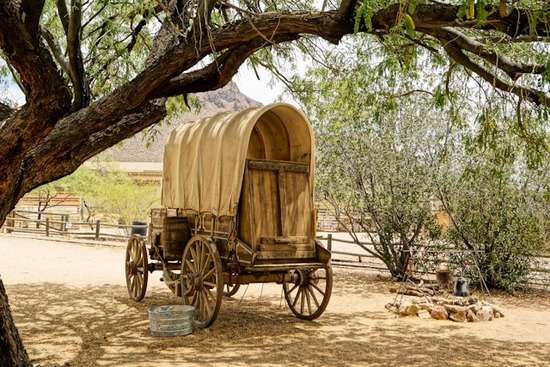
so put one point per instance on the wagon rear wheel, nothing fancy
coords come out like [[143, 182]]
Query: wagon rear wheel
[[309, 292], [136, 268], [202, 279]]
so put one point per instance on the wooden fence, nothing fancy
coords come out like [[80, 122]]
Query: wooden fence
[[52, 224], [424, 259], [345, 253]]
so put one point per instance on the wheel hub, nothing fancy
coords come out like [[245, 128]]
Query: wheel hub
[[132, 268], [193, 282], [198, 281]]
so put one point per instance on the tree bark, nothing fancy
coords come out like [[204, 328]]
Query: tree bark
[[12, 352]]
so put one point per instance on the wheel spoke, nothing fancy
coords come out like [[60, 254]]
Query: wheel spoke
[[135, 251], [210, 273], [206, 262], [210, 284], [133, 287], [209, 295], [306, 291], [318, 290], [203, 255], [314, 297], [207, 308], [302, 301], [194, 258], [190, 265], [297, 296], [293, 288], [138, 254]]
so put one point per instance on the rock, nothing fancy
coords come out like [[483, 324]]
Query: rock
[[485, 313], [425, 306], [471, 316], [424, 314], [439, 313], [476, 308], [408, 310], [456, 313], [454, 309], [497, 312]]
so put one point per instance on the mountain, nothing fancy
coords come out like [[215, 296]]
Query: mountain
[[135, 148]]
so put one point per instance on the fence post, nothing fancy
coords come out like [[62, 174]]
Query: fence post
[[329, 242], [97, 230], [47, 227]]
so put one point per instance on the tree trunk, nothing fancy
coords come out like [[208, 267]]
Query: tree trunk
[[12, 352]]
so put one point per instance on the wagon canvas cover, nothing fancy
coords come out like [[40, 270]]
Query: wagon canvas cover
[[204, 161]]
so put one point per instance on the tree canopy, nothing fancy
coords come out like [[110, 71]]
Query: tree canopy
[[96, 72]]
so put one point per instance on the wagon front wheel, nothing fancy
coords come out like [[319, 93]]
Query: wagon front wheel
[[136, 268], [308, 293], [202, 279]]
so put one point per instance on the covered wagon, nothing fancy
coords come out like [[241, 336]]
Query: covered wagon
[[237, 208]]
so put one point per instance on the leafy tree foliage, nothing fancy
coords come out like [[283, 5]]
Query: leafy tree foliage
[[392, 143], [108, 192], [500, 213]]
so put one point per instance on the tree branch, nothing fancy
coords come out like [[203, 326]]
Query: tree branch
[[56, 51], [135, 34], [63, 14], [346, 8], [537, 97], [64, 150], [78, 78], [5, 111], [509, 66], [216, 74]]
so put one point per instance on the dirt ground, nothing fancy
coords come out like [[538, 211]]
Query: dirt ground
[[71, 306]]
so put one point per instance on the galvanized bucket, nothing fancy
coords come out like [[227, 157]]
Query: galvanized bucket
[[171, 320]]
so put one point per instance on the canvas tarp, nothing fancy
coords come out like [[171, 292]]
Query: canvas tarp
[[204, 161]]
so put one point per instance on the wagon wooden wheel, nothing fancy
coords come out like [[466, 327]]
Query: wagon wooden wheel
[[136, 268], [202, 279], [308, 293], [230, 290]]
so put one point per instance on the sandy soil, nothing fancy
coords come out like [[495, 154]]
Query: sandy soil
[[71, 306]]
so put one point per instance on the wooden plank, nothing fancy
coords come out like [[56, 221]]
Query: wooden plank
[[286, 239], [270, 165], [286, 254], [286, 246], [281, 180]]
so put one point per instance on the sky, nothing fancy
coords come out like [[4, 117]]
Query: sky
[[263, 90]]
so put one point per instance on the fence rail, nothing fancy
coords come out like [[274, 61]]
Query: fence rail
[[45, 224], [345, 252], [539, 276]]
